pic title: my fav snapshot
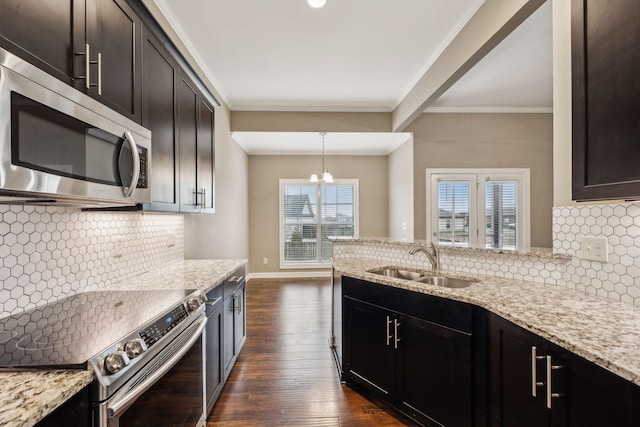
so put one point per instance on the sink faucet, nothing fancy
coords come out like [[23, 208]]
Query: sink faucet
[[431, 251]]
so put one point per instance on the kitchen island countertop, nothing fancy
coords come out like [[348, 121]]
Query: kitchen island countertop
[[602, 331], [26, 397]]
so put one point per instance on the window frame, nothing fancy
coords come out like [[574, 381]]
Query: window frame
[[477, 201], [284, 265]]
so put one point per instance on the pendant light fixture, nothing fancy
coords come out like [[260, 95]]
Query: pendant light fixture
[[317, 4], [326, 175]]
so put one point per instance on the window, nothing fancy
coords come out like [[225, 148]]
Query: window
[[311, 214], [484, 207]]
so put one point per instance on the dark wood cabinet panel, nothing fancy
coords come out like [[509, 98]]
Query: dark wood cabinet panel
[[114, 32], [368, 346], [206, 157], [45, 33], [513, 403], [606, 127], [75, 412], [420, 366], [159, 115], [188, 128], [435, 373], [214, 367], [595, 397]]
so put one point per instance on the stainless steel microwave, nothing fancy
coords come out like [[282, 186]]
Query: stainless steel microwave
[[59, 146]]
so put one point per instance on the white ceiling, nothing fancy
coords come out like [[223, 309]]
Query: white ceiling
[[353, 55]]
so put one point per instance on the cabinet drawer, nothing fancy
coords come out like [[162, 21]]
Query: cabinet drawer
[[232, 283], [452, 314]]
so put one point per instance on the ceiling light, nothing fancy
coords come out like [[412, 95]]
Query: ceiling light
[[317, 3], [326, 175]]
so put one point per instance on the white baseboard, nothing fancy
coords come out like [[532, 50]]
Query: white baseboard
[[289, 274]]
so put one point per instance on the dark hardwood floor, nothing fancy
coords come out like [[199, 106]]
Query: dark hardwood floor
[[285, 374]]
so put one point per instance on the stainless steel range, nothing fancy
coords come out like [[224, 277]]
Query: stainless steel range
[[145, 348]]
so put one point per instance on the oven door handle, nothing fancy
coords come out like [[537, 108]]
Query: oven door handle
[[121, 403]]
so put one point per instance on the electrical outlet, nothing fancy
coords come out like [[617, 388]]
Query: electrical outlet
[[118, 247], [265, 261], [595, 248]]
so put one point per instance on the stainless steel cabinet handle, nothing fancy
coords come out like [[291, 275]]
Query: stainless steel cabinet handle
[[87, 64], [99, 73], [388, 335], [396, 325], [550, 394], [534, 372], [203, 193]]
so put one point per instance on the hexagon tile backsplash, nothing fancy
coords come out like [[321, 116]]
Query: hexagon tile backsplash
[[47, 253], [617, 279]]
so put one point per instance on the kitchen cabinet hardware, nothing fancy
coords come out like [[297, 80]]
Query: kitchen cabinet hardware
[[534, 374], [396, 340], [389, 321], [550, 394]]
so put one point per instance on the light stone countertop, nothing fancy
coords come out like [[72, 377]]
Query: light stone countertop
[[546, 253], [602, 331], [26, 397]]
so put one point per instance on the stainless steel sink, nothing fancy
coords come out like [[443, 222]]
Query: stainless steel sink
[[447, 282], [428, 278], [398, 273]]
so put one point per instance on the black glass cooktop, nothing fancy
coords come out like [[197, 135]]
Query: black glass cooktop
[[68, 332]]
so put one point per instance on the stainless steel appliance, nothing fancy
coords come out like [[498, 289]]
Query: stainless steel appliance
[[146, 349], [57, 145]]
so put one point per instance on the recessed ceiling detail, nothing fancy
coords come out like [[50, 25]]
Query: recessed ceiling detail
[[308, 143]]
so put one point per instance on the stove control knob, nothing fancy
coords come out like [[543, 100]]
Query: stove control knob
[[114, 362], [135, 348], [193, 304], [202, 298]]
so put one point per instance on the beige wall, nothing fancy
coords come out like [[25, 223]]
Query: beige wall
[[264, 175], [400, 166], [487, 141], [224, 234]]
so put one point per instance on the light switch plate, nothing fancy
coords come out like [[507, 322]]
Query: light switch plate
[[595, 248]]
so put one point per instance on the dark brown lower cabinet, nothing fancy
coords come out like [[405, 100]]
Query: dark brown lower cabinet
[[75, 412], [214, 379], [395, 347], [536, 383]]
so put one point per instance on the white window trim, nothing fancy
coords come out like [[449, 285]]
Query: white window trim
[[524, 205], [356, 219]]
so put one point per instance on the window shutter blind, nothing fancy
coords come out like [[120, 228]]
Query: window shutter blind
[[453, 212], [501, 214]]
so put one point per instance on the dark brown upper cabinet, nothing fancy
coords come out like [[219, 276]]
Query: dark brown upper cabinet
[[605, 45], [93, 45], [161, 74]]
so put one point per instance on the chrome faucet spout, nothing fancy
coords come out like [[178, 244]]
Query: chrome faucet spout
[[431, 251]]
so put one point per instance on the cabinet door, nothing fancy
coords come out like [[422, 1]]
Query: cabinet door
[[434, 373], [229, 338], [214, 363], [512, 373], [114, 32], [159, 114], [75, 412], [206, 158], [596, 397], [240, 331], [368, 346], [605, 67], [45, 33], [188, 99]]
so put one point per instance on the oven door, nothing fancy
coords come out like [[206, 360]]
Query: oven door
[[168, 391]]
